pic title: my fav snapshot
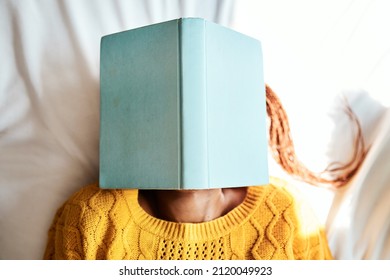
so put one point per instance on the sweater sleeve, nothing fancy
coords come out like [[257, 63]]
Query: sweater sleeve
[[310, 242], [50, 250], [313, 246], [64, 237], [304, 235], [67, 233], [82, 227]]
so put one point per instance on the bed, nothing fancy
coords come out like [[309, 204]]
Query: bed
[[316, 55]]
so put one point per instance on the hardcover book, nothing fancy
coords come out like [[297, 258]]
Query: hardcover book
[[182, 107]]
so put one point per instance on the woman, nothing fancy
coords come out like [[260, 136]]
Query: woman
[[249, 222]]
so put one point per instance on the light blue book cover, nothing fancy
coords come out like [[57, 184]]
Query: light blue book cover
[[182, 107]]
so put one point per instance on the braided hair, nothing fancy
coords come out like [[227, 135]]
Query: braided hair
[[282, 149]]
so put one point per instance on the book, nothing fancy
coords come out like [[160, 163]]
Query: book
[[182, 107]]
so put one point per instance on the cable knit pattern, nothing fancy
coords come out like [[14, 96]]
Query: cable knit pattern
[[110, 224]]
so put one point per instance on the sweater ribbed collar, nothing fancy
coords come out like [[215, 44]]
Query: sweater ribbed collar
[[196, 231]]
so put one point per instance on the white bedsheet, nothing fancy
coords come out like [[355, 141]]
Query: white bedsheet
[[358, 223], [49, 99], [49, 103]]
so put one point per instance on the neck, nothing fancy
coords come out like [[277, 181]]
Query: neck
[[191, 206]]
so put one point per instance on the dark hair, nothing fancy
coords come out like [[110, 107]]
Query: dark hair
[[281, 144]]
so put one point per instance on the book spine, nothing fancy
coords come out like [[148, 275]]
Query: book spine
[[193, 99]]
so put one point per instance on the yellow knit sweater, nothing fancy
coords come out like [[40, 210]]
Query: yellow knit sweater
[[110, 224]]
